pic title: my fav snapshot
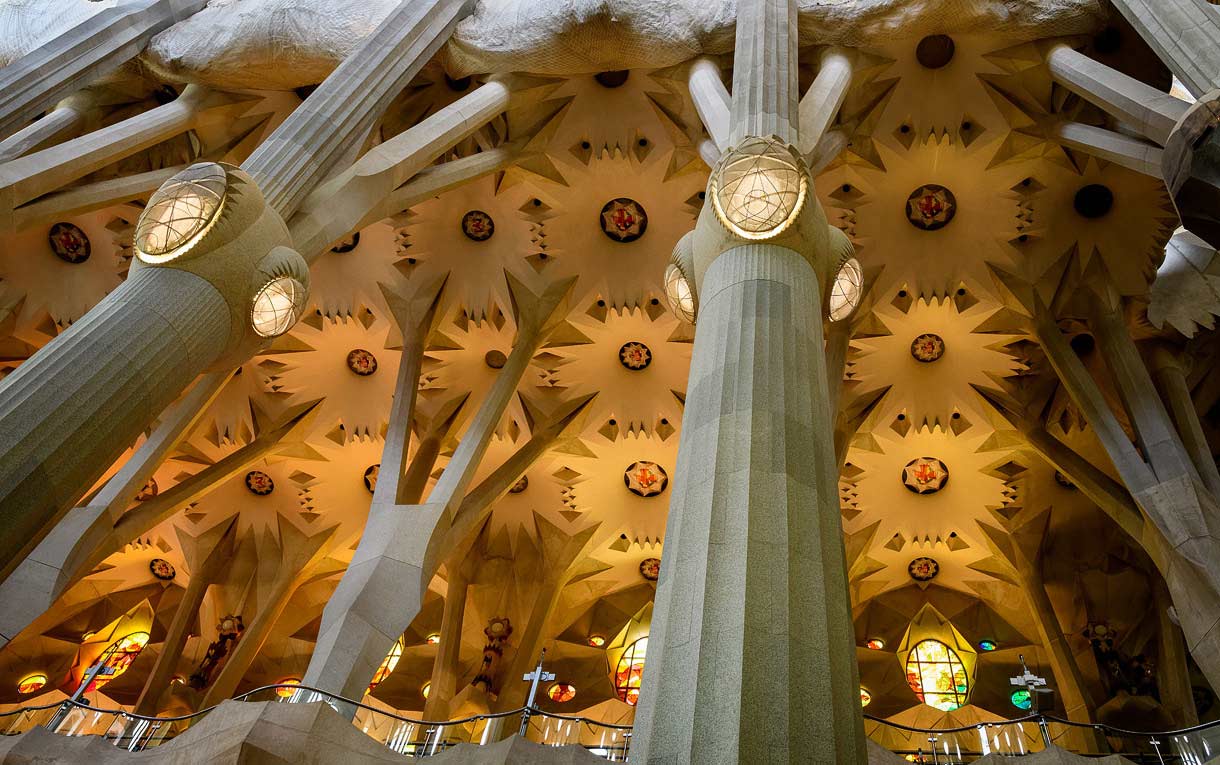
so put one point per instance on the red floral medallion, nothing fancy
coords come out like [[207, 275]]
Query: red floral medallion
[[645, 479], [478, 225], [69, 243], [925, 475], [927, 348], [650, 569], [624, 220], [923, 569], [362, 362], [162, 569], [259, 483], [635, 356], [930, 207]]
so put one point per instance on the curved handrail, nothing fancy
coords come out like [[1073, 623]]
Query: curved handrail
[[1036, 718], [120, 712], [963, 729]]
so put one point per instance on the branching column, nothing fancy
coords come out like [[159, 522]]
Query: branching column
[[1185, 34]]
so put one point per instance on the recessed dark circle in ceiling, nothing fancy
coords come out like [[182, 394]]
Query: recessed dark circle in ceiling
[[459, 85], [613, 79], [935, 51], [1108, 40], [1083, 344], [1093, 201]]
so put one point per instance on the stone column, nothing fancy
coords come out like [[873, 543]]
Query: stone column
[[1167, 369], [820, 104], [86, 52], [751, 646], [448, 653], [67, 415], [711, 100], [210, 555], [1185, 34], [1173, 674]]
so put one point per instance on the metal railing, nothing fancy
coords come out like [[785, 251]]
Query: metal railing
[[421, 738]]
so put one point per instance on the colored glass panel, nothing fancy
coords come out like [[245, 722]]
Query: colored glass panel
[[937, 675], [630, 671]]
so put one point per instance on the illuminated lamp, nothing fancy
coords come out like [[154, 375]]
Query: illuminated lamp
[[846, 290], [181, 212], [759, 188], [432, 639], [31, 683], [679, 294], [277, 305]]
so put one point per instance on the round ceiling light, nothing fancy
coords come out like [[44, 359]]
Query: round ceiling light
[[759, 188], [277, 306], [180, 212], [846, 291], [678, 293]]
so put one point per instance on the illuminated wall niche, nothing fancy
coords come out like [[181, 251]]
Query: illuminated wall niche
[[938, 662]]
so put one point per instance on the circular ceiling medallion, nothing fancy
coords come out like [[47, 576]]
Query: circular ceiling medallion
[[923, 569], [624, 220], [645, 479], [930, 207], [613, 79], [635, 356], [162, 569], [650, 569], [925, 475], [478, 225], [521, 485], [495, 359], [370, 477], [928, 348], [69, 243], [597, 641], [1093, 201], [935, 51], [362, 362], [259, 483], [347, 244], [149, 491]]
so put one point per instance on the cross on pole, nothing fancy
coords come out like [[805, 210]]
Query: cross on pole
[[533, 678], [1033, 684]]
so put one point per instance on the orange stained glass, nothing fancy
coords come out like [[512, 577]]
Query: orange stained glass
[[630, 670], [286, 693], [561, 692], [937, 675], [388, 664], [32, 683], [117, 657]]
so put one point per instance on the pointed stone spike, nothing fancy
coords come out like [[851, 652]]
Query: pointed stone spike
[[411, 312]]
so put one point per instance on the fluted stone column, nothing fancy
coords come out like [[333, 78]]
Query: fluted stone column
[[751, 639], [67, 416]]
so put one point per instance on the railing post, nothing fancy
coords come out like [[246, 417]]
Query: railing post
[[1046, 731]]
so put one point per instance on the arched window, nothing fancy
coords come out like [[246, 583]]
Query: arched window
[[390, 662], [629, 671], [938, 676]]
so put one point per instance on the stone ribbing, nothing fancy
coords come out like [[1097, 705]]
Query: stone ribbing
[[1185, 34], [765, 70], [83, 54], [751, 646], [307, 146], [66, 416], [1145, 108], [820, 104]]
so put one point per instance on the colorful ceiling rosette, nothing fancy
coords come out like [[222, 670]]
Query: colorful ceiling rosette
[[939, 663], [624, 220], [69, 243], [923, 569], [361, 362], [650, 569], [931, 207], [259, 483], [635, 356], [645, 479], [162, 569], [925, 475], [478, 225], [927, 348]]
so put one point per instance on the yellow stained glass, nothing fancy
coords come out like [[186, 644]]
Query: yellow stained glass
[[389, 663], [937, 675], [630, 670], [117, 657]]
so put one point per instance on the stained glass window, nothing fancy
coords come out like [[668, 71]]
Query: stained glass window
[[32, 683], [561, 692], [1022, 700], [865, 697], [286, 693], [117, 657], [937, 675], [388, 663], [629, 671]]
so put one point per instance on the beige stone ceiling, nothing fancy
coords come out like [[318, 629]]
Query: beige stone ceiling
[[976, 127]]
